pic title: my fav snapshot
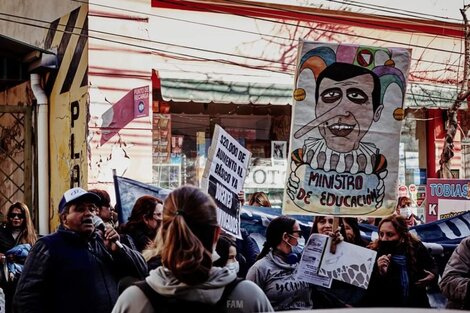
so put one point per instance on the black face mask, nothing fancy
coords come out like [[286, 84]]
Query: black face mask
[[388, 247]]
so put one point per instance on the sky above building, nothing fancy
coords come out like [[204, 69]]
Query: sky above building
[[444, 10]]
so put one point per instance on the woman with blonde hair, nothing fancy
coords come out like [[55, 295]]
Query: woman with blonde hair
[[18, 229], [187, 280], [259, 199]]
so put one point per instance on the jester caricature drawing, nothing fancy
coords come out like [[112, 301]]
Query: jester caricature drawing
[[337, 165]]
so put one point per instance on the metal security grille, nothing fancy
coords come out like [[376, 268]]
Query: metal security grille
[[15, 157]]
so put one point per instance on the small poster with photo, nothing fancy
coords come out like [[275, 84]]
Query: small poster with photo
[[279, 152]]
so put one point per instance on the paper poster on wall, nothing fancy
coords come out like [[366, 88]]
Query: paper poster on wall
[[403, 191], [141, 101], [176, 145], [266, 177], [223, 177], [161, 138], [279, 152], [345, 134]]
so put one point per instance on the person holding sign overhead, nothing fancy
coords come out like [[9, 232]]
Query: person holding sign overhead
[[340, 294]]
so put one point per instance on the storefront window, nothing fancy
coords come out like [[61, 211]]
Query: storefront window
[[412, 156], [182, 137]]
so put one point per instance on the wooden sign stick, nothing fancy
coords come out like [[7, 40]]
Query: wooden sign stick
[[334, 240]]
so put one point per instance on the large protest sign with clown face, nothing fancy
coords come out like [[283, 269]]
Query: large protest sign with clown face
[[346, 122]]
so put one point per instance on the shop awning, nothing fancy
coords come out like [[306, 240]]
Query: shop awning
[[239, 90], [185, 90], [431, 96]]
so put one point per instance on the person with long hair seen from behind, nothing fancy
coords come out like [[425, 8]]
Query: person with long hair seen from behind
[[17, 236], [275, 270], [187, 280]]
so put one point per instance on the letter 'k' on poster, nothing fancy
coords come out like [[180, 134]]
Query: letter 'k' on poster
[[345, 134]]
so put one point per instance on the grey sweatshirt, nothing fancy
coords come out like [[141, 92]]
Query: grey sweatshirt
[[277, 279], [247, 295]]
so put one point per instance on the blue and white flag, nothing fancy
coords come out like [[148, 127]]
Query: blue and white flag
[[129, 190]]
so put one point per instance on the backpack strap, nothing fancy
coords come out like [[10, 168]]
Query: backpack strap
[[163, 304], [155, 299]]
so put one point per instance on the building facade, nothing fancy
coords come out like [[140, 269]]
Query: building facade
[[138, 86]]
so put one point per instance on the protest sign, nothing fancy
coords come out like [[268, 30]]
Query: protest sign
[[310, 261], [223, 178], [345, 134], [350, 263]]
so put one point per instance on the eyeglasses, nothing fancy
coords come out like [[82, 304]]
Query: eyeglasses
[[298, 232], [18, 215]]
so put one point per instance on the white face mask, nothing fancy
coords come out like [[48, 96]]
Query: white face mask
[[234, 266], [405, 212]]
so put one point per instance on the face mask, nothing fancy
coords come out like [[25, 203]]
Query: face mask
[[295, 254], [388, 247], [301, 242], [405, 212], [234, 266], [297, 250]]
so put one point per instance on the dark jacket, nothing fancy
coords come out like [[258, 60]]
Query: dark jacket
[[455, 282], [248, 250], [7, 242], [6, 239], [386, 291], [66, 273], [135, 237]]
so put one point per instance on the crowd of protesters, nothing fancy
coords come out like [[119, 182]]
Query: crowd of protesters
[[172, 255]]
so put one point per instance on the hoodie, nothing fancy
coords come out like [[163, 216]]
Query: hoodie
[[246, 297], [278, 280]]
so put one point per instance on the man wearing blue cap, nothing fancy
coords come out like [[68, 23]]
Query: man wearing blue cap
[[75, 269]]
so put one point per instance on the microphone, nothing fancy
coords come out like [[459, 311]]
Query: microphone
[[100, 225]]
